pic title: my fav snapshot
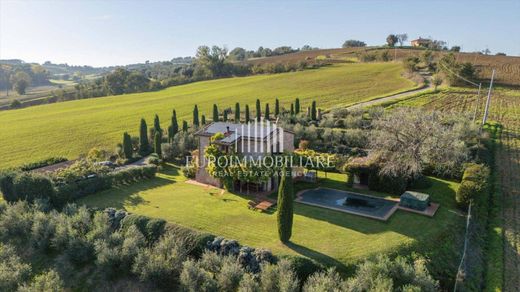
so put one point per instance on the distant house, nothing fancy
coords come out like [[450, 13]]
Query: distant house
[[420, 42], [251, 140]]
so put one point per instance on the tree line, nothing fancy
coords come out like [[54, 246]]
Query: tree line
[[18, 76]]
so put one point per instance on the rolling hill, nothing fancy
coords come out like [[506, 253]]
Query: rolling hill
[[72, 128]]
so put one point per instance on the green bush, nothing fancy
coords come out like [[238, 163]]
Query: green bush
[[26, 186], [42, 163], [132, 174], [474, 184], [6, 185], [154, 229], [46, 282], [387, 184], [189, 171], [304, 267], [12, 270]]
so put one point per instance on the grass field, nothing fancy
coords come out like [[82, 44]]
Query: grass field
[[71, 128], [328, 236]]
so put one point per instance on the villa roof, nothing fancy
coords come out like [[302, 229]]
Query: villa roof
[[421, 40], [234, 131]]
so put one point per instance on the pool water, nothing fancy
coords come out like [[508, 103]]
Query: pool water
[[349, 202]]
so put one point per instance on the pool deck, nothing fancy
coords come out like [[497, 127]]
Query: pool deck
[[430, 211], [384, 218]]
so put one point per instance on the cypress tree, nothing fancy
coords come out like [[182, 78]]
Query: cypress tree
[[144, 145], [157, 144], [196, 116], [266, 111], [292, 109], [203, 119], [258, 111], [309, 111], [184, 126], [277, 108], [175, 124], [237, 112], [285, 207], [313, 110], [215, 113], [224, 115], [248, 118], [297, 106], [319, 114], [127, 146], [157, 124]]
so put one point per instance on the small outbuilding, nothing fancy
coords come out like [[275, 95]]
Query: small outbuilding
[[415, 200]]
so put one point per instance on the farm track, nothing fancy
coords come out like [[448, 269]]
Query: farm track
[[391, 97], [507, 112], [509, 169]]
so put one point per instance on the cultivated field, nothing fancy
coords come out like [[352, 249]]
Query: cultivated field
[[331, 237], [72, 128], [507, 67]]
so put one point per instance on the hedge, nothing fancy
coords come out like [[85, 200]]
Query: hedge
[[474, 184], [387, 184], [25, 186], [42, 163], [132, 174], [16, 185], [152, 229]]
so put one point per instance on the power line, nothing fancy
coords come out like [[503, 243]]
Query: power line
[[449, 70]]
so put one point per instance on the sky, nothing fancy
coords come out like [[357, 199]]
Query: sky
[[103, 33]]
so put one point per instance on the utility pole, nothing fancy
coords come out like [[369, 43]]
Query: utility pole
[[477, 103], [486, 111]]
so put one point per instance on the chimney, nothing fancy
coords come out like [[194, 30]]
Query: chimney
[[227, 129]]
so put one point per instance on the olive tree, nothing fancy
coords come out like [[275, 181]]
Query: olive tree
[[407, 140]]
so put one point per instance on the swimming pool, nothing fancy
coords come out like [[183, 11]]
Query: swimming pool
[[349, 202]]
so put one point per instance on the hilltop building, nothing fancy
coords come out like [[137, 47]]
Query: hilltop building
[[420, 42]]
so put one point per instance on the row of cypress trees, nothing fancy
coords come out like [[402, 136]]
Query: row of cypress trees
[[295, 109], [157, 135]]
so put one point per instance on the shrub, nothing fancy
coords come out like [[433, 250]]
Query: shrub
[[189, 171], [385, 274], [248, 284], [193, 278], [161, 264], [386, 183], [12, 270], [15, 223], [466, 193], [304, 267], [279, 277], [42, 163], [6, 185], [324, 281], [152, 229], [27, 186], [132, 173], [47, 282], [42, 231], [474, 184], [229, 275]]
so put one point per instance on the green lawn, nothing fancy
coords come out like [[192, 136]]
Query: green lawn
[[328, 236], [72, 128]]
